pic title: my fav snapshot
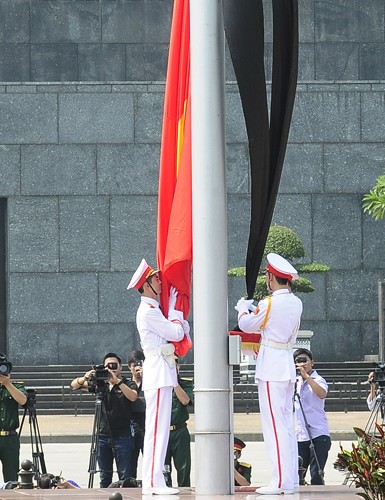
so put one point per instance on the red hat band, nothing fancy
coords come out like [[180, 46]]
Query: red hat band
[[274, 271], [146, 274]]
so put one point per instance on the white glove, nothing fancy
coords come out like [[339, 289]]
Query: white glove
[[172, 298], [243, 305], [186, 328]]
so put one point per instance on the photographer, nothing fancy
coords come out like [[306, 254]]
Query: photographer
[[12, 394], [135, 365], [115, 439], [371, 401], [311, 390]]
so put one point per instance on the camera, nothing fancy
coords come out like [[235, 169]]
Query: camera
[[31, 399], [379, 375], [5, 365], [138, 362], [300, 360], [48, 481], [97, 382]]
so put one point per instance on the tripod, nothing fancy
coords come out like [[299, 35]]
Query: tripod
[[37, 449], [95, 439], [378, 413], [311, 446]]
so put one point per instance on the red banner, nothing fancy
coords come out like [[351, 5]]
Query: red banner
[[174, 239]]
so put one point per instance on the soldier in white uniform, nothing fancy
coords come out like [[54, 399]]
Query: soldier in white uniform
[[277, 318], [159, 373]]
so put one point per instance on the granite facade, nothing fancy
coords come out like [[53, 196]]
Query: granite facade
[[79, 154]]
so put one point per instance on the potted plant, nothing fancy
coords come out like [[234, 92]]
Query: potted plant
[[365, 464], [285, 242]]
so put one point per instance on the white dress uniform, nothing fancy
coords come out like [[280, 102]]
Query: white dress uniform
[[275, 374], [159, 378]]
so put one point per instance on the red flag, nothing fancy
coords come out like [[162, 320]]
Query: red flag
[[174, 241]]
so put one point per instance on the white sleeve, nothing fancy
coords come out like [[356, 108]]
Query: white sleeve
[[169, 330], [252, 322]]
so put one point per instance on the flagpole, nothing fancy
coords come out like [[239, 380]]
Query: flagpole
[[213, 391]]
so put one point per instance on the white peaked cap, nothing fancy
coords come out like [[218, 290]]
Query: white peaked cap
[[143, 272], [280, 267]]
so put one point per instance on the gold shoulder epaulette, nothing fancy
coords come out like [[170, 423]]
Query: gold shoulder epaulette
[[187, 379], [245, 464]]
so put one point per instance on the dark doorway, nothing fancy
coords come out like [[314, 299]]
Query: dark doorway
[[3, 281]]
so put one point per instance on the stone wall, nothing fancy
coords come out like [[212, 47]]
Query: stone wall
[[118, 40], [79, 171]]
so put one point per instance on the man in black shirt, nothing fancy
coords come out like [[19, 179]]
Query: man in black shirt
[[116, 439]]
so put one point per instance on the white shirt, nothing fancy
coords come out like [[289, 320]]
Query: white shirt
[[282, 326], [155, 330], [313, 407]]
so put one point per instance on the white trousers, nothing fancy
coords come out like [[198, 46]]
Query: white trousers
[[156, 436], [276, 409]]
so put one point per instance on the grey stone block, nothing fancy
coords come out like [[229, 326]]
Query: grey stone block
[[236, 290], [28, 119], [336, 61], [133, 231], [314, 303], [33, 238], [84, 234], [337, 238], [306, 66], [237, 157], [372, 62], [77, 22], [326, 117], [146, 62], [101, 62], [370, 337], [238, 228], [295, 212], [116, 303], [96, 118], [53, 298], [352, 168], [149, 117], [235, 121], [349, 20], [306, 29], [128, 169], [14, 21], [337, 340], [351, 295], [373, 109], [136, 22], [33, 345], [14, 62], [58, 170], [83, 344], [9, 170], [302, 170], [54, 62], [373, 237]]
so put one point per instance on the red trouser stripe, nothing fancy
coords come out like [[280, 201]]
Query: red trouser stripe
[[155, 432], [275, 435]]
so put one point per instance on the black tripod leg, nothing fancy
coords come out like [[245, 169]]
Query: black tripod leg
[[94, 443], [38, 454]]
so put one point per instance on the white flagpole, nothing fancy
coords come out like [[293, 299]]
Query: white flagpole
[[213, 390]]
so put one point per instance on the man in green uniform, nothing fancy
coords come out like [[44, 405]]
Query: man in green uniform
[[179, 442], [242, 470], [12, 394]]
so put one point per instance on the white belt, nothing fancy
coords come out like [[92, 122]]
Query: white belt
[[276, 345], [166, 351]]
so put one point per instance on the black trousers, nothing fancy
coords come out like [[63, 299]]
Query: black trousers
[[321, 449]]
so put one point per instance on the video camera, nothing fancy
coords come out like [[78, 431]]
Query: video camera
[[138, 362], [48, 481], [98, 381], [379, 375], [5, 365]]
